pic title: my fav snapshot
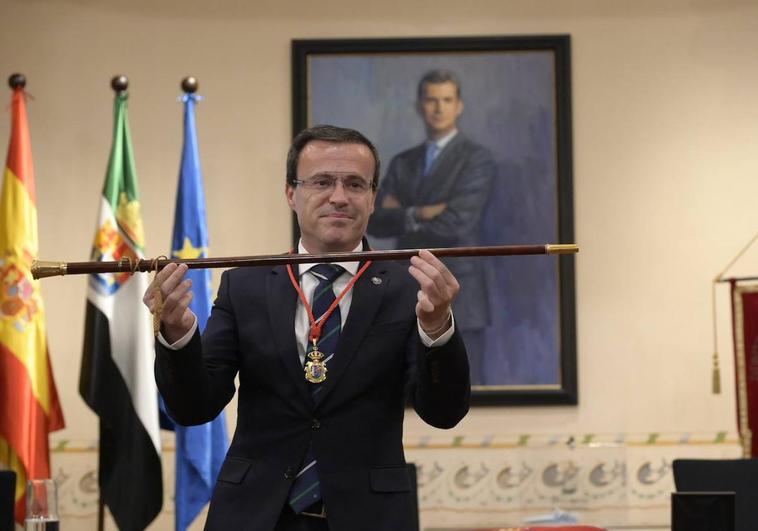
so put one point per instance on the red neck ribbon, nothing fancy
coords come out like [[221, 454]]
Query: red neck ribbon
[[315, 333]]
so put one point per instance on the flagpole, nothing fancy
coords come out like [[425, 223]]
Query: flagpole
[[119, 84], [737, 279]]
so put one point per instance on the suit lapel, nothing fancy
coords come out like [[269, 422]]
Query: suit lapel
[[367, 298], [281, 301], [409, 173]]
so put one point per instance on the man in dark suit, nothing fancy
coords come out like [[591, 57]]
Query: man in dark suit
[[319, 447], [433, 195]]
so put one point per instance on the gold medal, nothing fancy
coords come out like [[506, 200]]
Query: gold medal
[[315, 369]]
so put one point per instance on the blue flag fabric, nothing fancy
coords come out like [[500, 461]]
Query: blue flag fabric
[[200, 450]]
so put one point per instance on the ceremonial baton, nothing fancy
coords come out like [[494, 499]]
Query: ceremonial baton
[[43, 269]]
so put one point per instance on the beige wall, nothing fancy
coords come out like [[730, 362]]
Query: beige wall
[[665, 122]]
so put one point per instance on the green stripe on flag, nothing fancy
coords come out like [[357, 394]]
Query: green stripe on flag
[[120, 189]]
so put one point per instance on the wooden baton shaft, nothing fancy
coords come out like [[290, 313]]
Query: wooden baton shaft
[[42, 269]]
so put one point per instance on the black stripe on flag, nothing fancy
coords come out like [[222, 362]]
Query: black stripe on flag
[[130, 467]]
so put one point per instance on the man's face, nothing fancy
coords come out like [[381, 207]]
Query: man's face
[[332, 220], [440, 108]]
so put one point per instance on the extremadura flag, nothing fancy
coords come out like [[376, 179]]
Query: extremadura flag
[[116, 378]]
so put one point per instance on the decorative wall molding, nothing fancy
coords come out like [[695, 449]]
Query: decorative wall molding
[[491, 480]]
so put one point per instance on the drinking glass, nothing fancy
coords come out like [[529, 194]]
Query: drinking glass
[[41, 505]]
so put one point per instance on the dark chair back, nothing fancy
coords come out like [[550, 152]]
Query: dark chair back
[[723, 475], [7, 500], [702, 511]]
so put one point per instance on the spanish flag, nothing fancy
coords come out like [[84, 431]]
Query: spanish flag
[[29, 406]]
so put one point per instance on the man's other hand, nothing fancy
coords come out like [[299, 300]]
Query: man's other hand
[[176, 318], [438, 289]]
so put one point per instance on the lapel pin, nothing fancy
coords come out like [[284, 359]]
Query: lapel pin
[[376, 280]]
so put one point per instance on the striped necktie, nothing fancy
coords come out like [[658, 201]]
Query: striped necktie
[[306, 489]]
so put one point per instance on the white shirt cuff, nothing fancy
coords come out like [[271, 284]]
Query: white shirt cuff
[[425, 339], [181, 343], [443, 339]]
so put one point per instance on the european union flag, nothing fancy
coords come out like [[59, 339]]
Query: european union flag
[[200, 450]]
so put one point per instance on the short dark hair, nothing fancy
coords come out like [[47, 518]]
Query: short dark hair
[[435, 77], [328, 133]]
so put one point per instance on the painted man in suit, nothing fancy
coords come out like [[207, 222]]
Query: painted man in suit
[[319, 447], [433, 195]]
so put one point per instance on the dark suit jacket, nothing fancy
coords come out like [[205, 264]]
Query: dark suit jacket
[[356, 427], [461, 177]]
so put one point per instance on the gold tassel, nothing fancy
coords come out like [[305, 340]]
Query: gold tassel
[[716, 372], [716, 383], [157, 297]]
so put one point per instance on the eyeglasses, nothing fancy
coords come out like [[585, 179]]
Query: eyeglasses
[[351, 184]]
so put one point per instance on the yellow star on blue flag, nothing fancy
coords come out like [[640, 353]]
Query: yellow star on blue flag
[[189, 251]]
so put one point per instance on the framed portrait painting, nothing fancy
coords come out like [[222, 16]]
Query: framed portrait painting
[[474, 139]]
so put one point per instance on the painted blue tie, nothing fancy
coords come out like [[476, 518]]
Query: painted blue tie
[[423, 180], [432, 149], [306, 489]]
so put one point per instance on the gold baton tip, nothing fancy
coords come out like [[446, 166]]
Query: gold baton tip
[[561, 248], [42, 269]]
